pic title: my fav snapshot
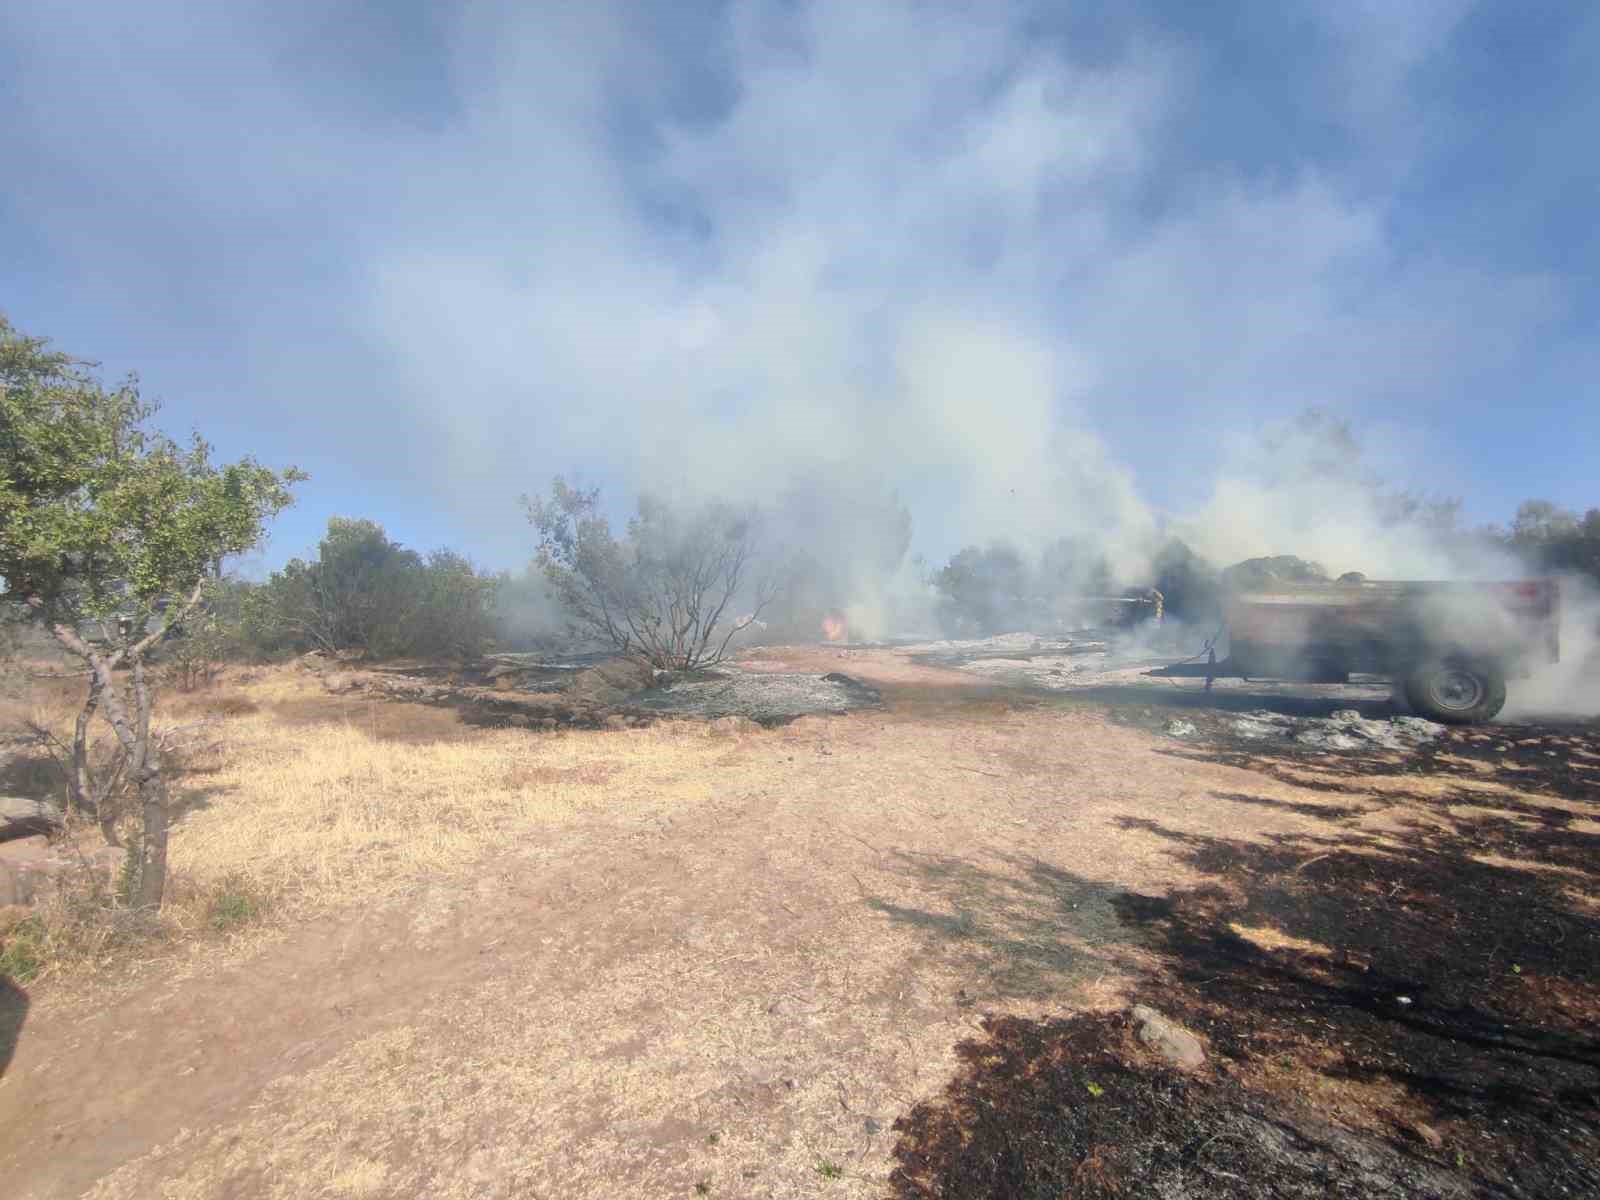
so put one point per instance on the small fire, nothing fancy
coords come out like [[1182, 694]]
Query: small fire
[[833, 627]]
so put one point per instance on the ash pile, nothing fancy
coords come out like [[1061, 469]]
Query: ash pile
[[1343, 729], [1086, 658], [765, 698], [612, 693]]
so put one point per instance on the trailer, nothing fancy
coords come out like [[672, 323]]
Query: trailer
[[1450, 647]]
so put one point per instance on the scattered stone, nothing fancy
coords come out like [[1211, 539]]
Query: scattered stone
[[871, 1126], [22, 815], [31, 847], [1181, 728], [1170, 1040], [1426, 1134], [867, 691]]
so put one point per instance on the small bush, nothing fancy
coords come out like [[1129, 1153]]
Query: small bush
[[234, 706], [235, 903], [24, 950]]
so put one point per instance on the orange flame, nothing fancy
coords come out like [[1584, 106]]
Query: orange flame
[[833, 627]]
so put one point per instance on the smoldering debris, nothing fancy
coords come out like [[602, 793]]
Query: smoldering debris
[[765, 698], [1344, 729]]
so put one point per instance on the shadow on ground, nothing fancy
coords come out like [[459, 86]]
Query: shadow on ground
[[13, 1011], [1026, 930], [1411, 1013]]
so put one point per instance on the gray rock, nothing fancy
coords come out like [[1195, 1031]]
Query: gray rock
[[1262, 725], [1168, 1039], [25, 883], [1329, 739]]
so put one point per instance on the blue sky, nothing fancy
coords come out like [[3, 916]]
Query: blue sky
[[1043, 268]]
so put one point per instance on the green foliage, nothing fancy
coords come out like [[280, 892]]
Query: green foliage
[[365, 592], [97, 510], [214, 634], [235, 903], [129, 876], [103, 517], [24, 949], [1551, 538], [829, 1170], [666, 593], [455, 612], [985, 590]]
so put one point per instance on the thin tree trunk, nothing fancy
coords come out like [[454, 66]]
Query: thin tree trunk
[[80, 784], [153, 845], [133, 734], [152, 796]]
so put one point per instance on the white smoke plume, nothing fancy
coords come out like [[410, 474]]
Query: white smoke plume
[[964, 253], [1570, 688]]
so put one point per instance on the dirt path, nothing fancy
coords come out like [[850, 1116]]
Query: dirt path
[[742, 992]]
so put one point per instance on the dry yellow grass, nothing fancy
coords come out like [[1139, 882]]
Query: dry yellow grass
[[302, 802], [612, 964], [326, 814]]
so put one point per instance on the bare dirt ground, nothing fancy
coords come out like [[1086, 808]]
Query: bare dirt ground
[[670, 961]]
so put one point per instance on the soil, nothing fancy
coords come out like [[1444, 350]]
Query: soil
[[1419, 1022], [889, 953]]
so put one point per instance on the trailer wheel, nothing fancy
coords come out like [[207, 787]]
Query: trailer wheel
[[1457, 691]]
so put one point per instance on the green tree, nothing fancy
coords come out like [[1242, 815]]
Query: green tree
[[985, 590], [1551, 538], [109, 531], [359, 593], [456, 608], [364, 592]]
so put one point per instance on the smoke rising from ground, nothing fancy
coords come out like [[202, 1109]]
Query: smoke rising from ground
[[1031, 272], [941, 277], [1570, 687]]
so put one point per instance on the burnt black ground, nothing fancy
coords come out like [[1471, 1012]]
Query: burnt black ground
[[1468, 992]]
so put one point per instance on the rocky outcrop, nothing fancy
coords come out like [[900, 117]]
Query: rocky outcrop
[[1168, 1039]]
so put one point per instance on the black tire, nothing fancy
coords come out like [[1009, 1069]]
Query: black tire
[[1457, 691]]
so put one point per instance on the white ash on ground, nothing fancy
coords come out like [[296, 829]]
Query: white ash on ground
[[1344, 729], [766, 698]]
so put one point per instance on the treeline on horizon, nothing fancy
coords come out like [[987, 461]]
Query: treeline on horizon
[[363, 592]]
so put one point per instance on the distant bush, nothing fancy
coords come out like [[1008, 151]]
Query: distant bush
[[364, 592], [985, 590]]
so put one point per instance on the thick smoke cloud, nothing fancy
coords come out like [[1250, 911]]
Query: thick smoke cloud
[[1033, 274]]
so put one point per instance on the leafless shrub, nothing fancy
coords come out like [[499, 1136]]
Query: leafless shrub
[[666, 594]]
